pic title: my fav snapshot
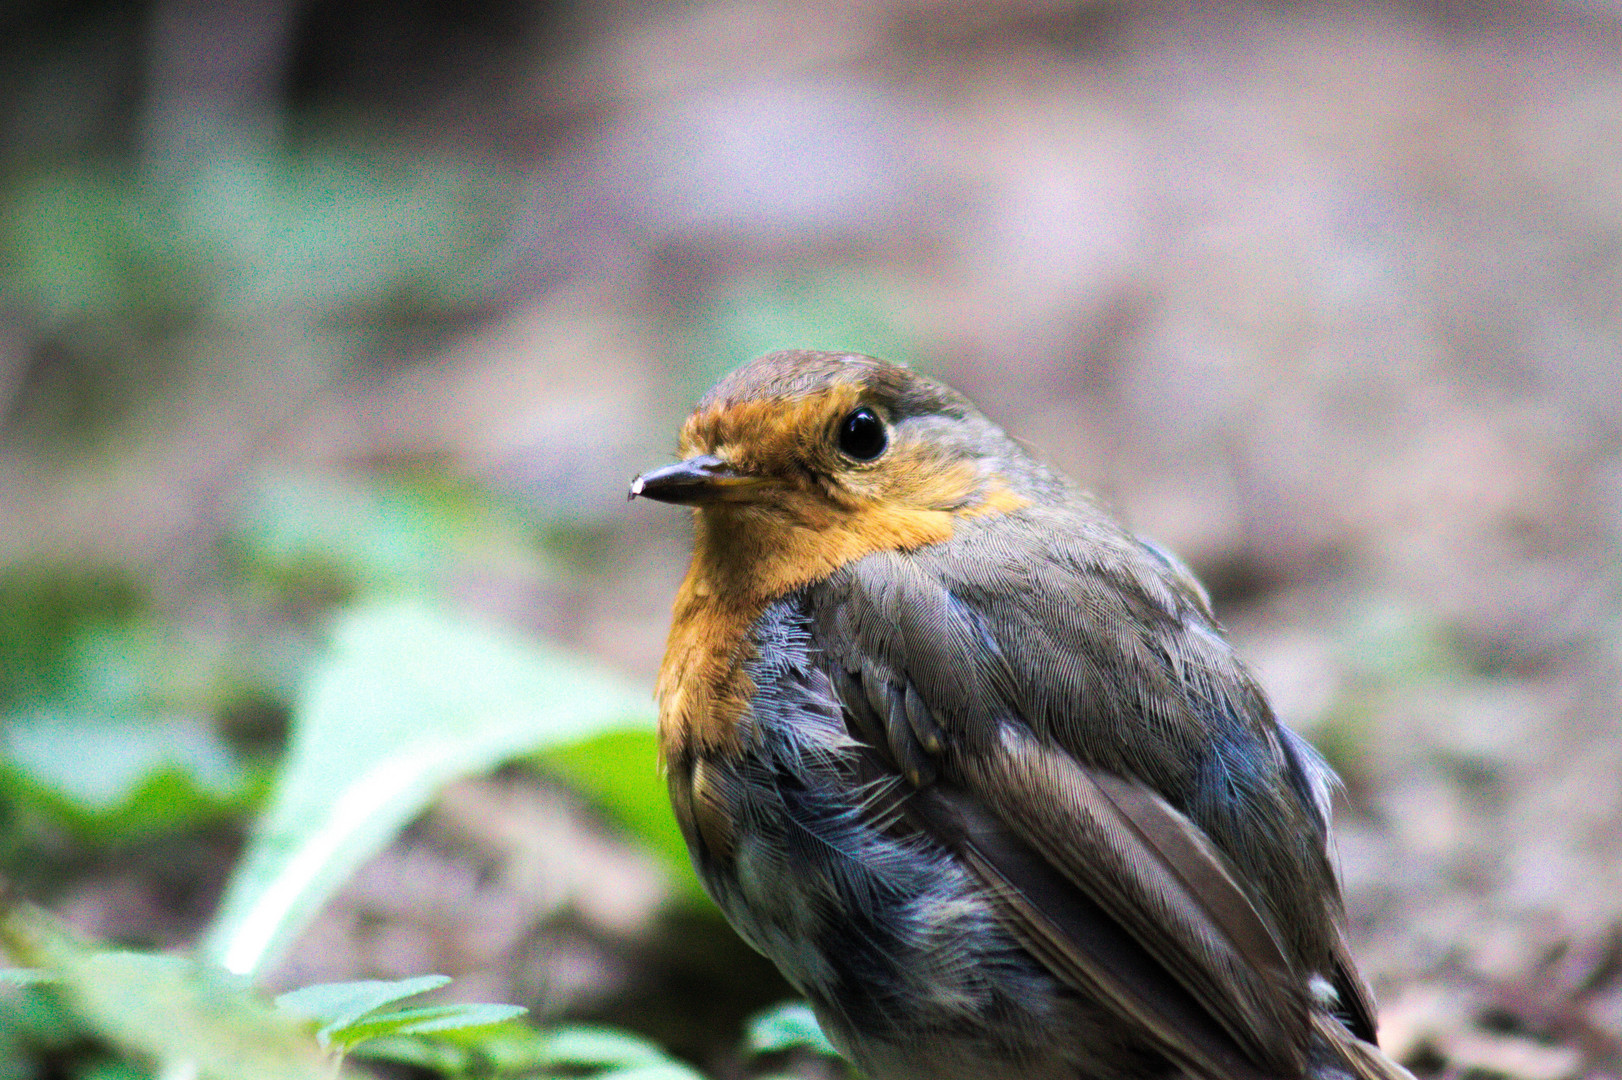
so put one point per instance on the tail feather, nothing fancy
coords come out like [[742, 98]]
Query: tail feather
[[1347, 1056]]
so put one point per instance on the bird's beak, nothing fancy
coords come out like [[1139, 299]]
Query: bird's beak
[[702, 479]]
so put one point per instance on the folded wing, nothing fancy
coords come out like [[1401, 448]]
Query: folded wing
[[1042, 777]]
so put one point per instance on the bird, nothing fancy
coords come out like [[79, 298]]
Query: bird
[[976, 767]]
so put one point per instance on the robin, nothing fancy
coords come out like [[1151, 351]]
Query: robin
[[977, 768]]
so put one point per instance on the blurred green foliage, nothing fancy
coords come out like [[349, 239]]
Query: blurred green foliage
[[35, 1027], [154, 1008], [50, 616], [104, 724], [406, 700], [320, 540], [789, 1026], [352, 1013], [173, 1016], [105, 741], [113, 778], [128, 280], [324, 231], [520, 1052], [142, 702], [756, 314], [619, 771]]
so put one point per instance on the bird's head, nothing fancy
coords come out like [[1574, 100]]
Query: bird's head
[[808, 435], [801, 461]]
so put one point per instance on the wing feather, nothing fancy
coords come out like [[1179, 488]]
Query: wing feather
[[1082, 850], [1074, 938], [1160, 880]]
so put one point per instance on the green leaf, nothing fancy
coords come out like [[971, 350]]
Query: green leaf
[[164, 1007], [339, 1004], [504, 1049], [425, 1020], [25, 977], [789, 1026], [607, 1052], [103, 725], [518, 1050], [340, 534], [47, 612], [36, 1017], [619, 772], [598, 1047], [119, 775], [664, 1070], [114, 1070], [406, 700], [435, 1055]]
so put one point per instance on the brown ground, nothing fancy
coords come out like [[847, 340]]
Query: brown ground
[[1326, 298]]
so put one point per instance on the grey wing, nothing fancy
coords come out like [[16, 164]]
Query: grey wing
[[1112, 887]]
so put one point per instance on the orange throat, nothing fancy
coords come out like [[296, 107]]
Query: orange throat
[[744, 558]]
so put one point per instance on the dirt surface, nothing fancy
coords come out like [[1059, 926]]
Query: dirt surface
[[1324, 297]]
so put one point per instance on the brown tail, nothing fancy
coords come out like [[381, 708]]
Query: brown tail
[[1359, 1059]]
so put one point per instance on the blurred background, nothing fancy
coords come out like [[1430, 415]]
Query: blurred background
[[305, 304]]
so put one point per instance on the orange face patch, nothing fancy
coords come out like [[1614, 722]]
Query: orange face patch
[[813, 512], [769, 437]]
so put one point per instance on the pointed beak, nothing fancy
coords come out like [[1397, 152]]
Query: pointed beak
[[697, 480]]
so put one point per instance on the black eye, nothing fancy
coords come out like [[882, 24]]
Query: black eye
[[862, 435]]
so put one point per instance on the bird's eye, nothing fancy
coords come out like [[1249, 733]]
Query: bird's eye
[[862, 435]]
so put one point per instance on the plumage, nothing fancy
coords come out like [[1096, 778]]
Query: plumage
[[976, 767]]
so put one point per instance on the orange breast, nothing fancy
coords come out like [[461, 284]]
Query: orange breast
[[744, 558]]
